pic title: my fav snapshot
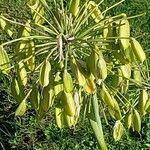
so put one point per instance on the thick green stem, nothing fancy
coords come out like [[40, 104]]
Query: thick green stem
[[96, 123]]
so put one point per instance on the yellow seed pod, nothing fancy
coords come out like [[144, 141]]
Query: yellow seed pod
[[22, 74], [138, 50], [48, 97], [90, 86], [4, 61], [20, 111], [35, 97], [59, 116], [124, 32], [143, 98], [126, 70], [136, 124], [101, 69], [69, 104], [107, 98], [45, 73], [96, 13], [74, 7], [58, 85], [5, 26], [68, 83], [118, 130]]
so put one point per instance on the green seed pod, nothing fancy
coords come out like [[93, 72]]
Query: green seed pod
[[16, 90], [60, 117], [136, 121], [37, 9], [69, 104], [138, 50], [35, 97], [143, 98], [74, 7], [124, 32], [126, 70], [69, 120], [137, 76], [90, 86], [58, 85], [68, 83], [4, 61], [45, 73], [107, 98], [118, 130], [30, 52], [128, 119], [5, 26], [101, 69], [48, 98], [96, 13], [22, 74], [20, 111], [77, 72]]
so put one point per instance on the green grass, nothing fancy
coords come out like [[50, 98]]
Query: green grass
[[27, 134]]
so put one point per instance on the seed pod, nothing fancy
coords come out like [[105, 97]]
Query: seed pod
[[78, 73], [58, 85], [124, 32], [35, 97], [137, 76], [101, 69], [36, 9], [30, 50], [128, 119], [4, 61], [68, 83], [147, 105], [107, 98], [77, 105], [74, 7], [22, 73], [143, 98], [22, 45], [96, 13], [59, 115], [69, 104], [44, 73], [48, 97], [90, 86], [117, 112], [124, 86], [138, 50], [69, 120], [20, 111], [136, 121], [91, 62], [16, 90], [5, 26], [126, 70], [118, 130]]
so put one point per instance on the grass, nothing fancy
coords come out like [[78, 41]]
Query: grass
[[27, 134]]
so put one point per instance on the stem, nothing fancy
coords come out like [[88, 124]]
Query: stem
[[96, 124], [25, 38]]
